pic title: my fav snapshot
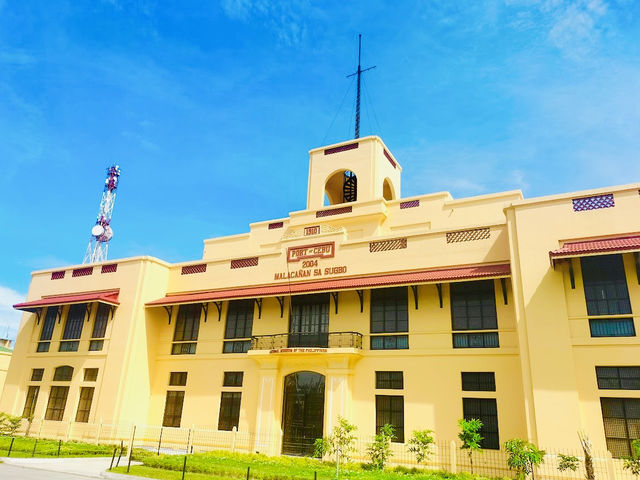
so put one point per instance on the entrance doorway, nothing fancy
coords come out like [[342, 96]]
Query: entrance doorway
[[302, 412]]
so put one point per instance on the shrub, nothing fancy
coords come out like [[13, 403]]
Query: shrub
[[523, 457], [340, 443], [380, 450], [470, 436], [9, 424], [420, 444], [567, 462], [633, 463]]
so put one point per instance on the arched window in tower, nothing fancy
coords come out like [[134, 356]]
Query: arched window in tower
[[387, 190], [341, 187]]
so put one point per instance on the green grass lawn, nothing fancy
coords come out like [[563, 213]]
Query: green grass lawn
[[23, 447], [225, 465]]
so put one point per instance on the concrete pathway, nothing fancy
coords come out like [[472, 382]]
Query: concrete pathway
[[58, 468]]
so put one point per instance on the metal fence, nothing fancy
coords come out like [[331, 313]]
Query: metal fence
[[445, 455]]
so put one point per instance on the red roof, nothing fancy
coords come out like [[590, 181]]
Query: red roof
[[603, 245], [109, 297], [424, 276]]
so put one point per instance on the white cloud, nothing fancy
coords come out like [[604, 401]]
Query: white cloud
[[9, 318]]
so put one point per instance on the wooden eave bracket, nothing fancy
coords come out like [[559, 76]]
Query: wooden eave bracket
[[414, 289], [205, 310], [259, 304], [87, 312], [334, 295], [169, 310], [439, 287], [281, 302], [503, 284], [219, 308], [636, 257], [361, 297]]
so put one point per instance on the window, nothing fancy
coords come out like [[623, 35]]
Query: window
[[178, 379], [30, 402], [229, 410], [392, 380], [233, 379], [56, 404], [485, 410], [47, 329], [390, 409], [605, 285], [476, 340], [84, 405], [187, 327], [90, 374], [36, 374], [69, 346], [309, 323], [173, 409], [478, 381], [618, 378], [612, 327], [389, 310], [239, 325], [63, 374], [389, 342], [621, 417], [96, 345], [473, 306]]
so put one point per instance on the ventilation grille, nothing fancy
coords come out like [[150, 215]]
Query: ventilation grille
[[244, 262], [409, 204], [111, 268], [82, 272], [191, 269], [391, 161], [57, 275], [333, 211], [384, 245], [468, 235], [274, 225], [593, 203], [341, 148]]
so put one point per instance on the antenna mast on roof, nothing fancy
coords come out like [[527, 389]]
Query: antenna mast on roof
[[359, 73], [101, 232]]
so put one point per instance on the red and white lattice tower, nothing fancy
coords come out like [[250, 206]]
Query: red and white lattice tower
[[101, 232]]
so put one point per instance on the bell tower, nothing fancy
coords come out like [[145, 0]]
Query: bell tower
[[359, 170]]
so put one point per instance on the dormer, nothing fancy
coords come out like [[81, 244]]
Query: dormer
[[357, 170]]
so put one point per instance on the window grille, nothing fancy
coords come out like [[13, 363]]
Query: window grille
[[605, 285], [57, 403], [390, 380], [478, 381], [178, 379], [239, 325], [612, 327], [90, 374], [84, 404], [485, 410], [390, 410], [239, 346], [63, 374], [37, 374], [186, 330], [229, 410], [75, 321], [173, 409], [309, 322], [389, 342], [618, 378], [100, 322], [621, 418], [476, 340], [233, 379], [30, 402]]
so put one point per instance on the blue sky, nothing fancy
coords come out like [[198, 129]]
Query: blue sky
[[211, 107]]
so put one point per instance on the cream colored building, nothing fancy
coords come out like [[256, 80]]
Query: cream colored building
[[381, 309], [5, 359]]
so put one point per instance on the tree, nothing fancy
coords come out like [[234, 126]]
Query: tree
[[9, 424], [470, 437], [588, 458], [340, 443], [632, 463], [523, 457], [420, 444], [380, 450], [568, 462]]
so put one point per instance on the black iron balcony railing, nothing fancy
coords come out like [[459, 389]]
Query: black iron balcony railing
[[319, 340]]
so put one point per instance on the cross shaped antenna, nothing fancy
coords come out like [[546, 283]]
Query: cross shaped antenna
[[359, 72]]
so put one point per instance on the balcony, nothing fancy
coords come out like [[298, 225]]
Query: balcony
[[307, 340]]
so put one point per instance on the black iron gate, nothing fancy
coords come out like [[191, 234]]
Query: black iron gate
[[303, 412]]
